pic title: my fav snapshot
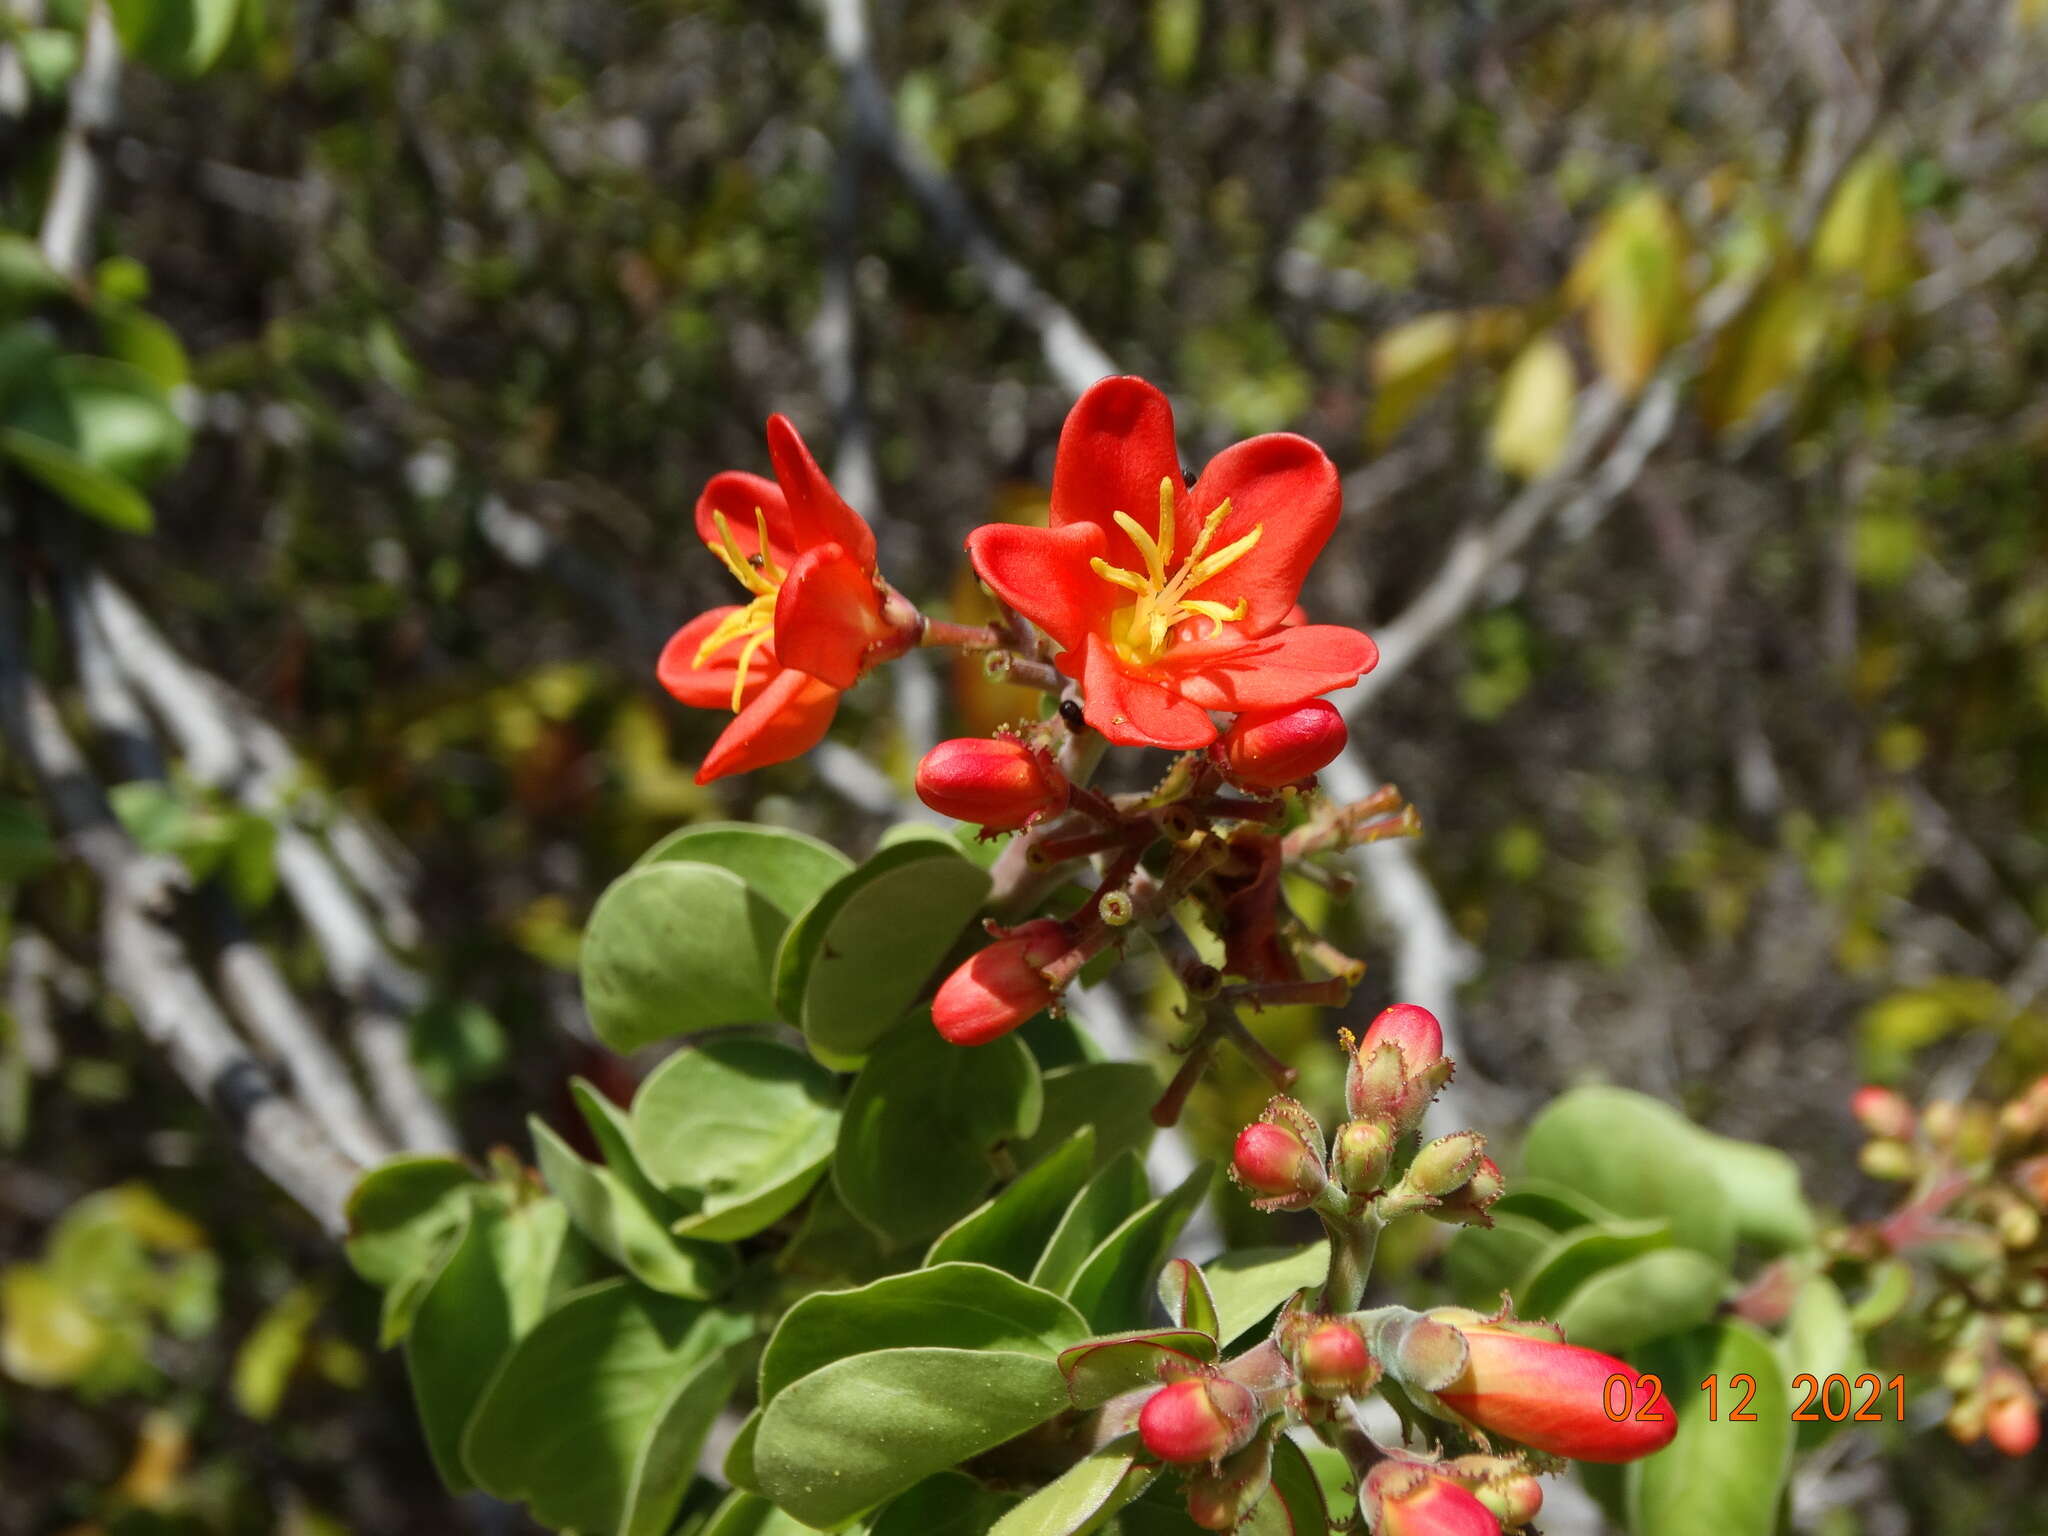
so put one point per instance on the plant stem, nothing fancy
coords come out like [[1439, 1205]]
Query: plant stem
[[1352, 1242]]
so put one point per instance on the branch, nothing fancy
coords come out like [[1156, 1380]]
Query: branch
[[146, 963], [66, 236]]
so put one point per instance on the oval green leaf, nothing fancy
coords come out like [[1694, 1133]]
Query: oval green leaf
[[1716, 1478], [1668, 1291], [791, 869], [1011, 1230], [615, 1220]]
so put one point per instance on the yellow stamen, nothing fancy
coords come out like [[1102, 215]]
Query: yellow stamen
[[755, 623], [1143, 631]]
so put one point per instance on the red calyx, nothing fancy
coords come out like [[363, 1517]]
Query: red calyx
[[1200, 1419], [1271, 749], [996, 782]]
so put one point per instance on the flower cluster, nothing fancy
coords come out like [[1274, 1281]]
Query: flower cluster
[[1503, 1398], [1966, 1250]]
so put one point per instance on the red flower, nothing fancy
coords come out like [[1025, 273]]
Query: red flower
[[1170, 602], [1554, 1397], [814, 621]]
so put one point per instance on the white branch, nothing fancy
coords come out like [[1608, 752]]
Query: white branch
[[74, 203]]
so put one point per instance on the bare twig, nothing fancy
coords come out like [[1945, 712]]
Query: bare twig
[[74, 202], [146, 963]]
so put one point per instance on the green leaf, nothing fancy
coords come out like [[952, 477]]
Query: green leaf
[[920, 1123], [271, 1353], [1482, 1262], [673, 947], [1082, 1499], [1534, 417], [1716, 1478], [860, 956], [945, 1504], [1118, 1284], [489, 1290], [1551, 1205], [748, 1514], [1762, 1186], [1294, 1505], [26, 846], [144, 342], [1639, 1158], [790, 869], [596, 1418], [26, 280], [862, 1429], [176, 37], [612, 1130], [735, 1131], [1185, 1295], [1630, 278], [960, 1306], [1011, 1230], [86, 487], [1115, 1097], [1099, 1369], [1865, 233], [1336, 1479], [1111, 1198], [1575, 1257], [1249, 1283], [112, 415], [623, 1228], [1819, 1340], [401, 1217], [1666, 1291]]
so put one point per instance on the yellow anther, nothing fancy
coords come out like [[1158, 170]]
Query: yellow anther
[[755, 623], [1143, 631]]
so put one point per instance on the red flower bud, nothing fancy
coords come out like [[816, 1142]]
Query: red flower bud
[[996, 782], [1555, 1397], [2012, 1418], [1414, 1029], [1334, 1362], [1274, 748], [1412, 1500], [1199, 1419], [1883, 1112], [1272, 1160], [1000, 987]]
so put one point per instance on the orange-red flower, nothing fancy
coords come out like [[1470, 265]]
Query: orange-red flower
[[1555, 1397], [815, 617], [1171, 601]]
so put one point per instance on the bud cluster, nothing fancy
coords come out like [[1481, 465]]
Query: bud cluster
[[1971, 1224]]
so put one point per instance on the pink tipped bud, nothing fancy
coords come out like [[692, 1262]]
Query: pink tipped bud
[[1199, 1419], [2012, 1415], [1275, 748], [1273, 1161], [995, 782], [1332, 1361], [1555, 1397], [1883, 1112], [1000, 987], [1414, 1029], [1412, 1499]]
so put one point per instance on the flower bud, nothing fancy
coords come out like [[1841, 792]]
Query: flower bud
[[1274, 1161], [1506, 1487], [1883, 1112], [1469, 1204], [1425, 1353], [1940, 1119], [996, 782], [2030, 1178], [999, 987], [1412, 1028], [1405, 1498], [1198, 1419], [2018, 1226], [1359, 1160], [1271, 749], [1967, 1418], [1332, 1361], [2012, 1414], [1398, 1067], [1220, 1497], [1890, 1160], [1554, 1397], [1441, 1168]]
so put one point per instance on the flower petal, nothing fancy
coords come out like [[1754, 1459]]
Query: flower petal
[[817, 512], [737, 494], [1133, 710], [1115, 448], [827, 615], [787, 719], [1287, 487], [1043, 573], [1274, 671], [710, 686]]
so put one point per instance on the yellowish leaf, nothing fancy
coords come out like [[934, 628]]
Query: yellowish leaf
[[1865, 233], [1769, 347], [1630, 281], [47, 1337], [1414, 359], [1534, 417]]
